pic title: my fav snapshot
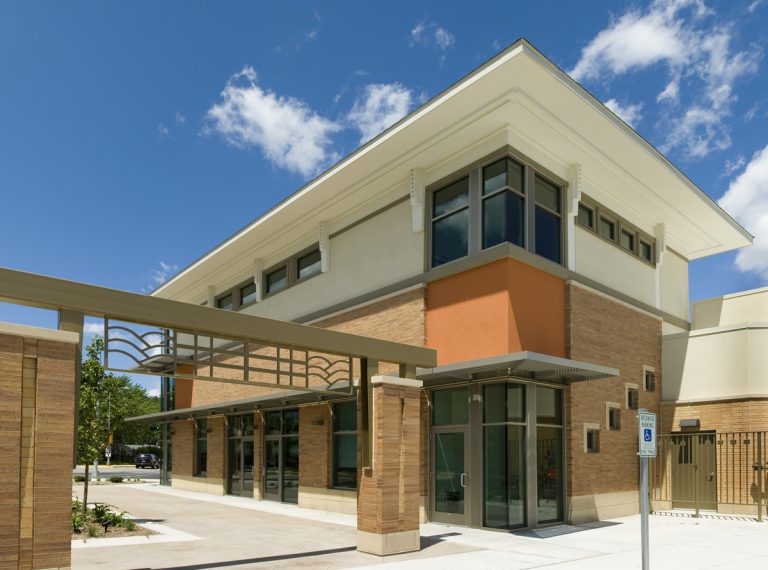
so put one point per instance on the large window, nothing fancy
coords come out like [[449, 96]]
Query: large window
[[344, 470], [201, 448], [503, 201], [450, 222]]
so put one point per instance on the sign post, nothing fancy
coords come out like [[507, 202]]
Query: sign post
[[646, 430]]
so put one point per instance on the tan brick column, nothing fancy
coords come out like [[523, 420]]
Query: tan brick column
[[37, 391], [388, 497]]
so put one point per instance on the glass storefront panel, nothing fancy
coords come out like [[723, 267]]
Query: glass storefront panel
[[504, 480], [549, 474], [450, 407], [549, 406], [291, 469], [503, 402]]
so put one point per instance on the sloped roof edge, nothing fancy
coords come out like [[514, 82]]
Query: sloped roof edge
[[521, 45]]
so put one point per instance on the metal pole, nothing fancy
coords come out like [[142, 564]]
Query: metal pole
[[644, 511], [760, 477]]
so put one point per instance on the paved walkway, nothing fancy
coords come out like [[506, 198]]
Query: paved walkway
[[206, 532]]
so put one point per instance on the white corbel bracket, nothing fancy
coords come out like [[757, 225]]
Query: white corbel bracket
[[660, 232], [416, 187], [258, 270], [325, 250], [574, 188]]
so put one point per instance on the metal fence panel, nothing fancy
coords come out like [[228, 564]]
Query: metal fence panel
[[722, 471]]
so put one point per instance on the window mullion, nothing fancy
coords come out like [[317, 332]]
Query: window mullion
[[475, 236], [529, 181]]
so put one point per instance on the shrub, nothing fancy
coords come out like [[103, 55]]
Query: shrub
[[128, 524], [115, 479], [79, 478], [91, 530], [77, 521], [100, 512]]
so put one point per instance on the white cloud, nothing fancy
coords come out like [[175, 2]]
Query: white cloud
[[382, 105], [670, 93], [747, 201], [160, 275], [289, 133], [162, 130], [180, 119], [732, 166], [700, 64], [629, 113], [751, 113], [94, 328], [432, 34], [153, 392], [753, 6]]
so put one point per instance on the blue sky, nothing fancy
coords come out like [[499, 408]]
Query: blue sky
[[136, 136]]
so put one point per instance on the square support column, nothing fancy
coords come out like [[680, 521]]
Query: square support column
[[388, 497]]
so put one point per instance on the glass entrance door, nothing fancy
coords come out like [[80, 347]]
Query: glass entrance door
[[450, 479], [240, 456], [272, 469], [281, 456]]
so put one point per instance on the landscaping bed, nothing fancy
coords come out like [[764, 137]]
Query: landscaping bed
[[100, 521]]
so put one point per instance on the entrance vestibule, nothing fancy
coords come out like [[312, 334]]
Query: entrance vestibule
[[496, 454]]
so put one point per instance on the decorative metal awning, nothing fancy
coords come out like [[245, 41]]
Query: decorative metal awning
[[279, 399], [129, 347], [527, 365]]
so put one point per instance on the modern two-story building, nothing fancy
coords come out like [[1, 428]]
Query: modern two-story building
[[517, 226]]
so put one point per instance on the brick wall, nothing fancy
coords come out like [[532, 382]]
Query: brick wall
[[733, 415], [399, 318], [183, 448], [608, 333], [36, 435], [314, 446]]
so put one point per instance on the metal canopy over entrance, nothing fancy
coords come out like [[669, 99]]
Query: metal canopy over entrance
[[526, 364]]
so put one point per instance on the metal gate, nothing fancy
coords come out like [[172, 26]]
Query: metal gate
[[719, 471]]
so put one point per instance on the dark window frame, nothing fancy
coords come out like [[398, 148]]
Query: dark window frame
[[474, 172], [336, 434], [592, 443], [614, 418], [633, 398], [639, 237], [291, 266], [200, 434], [649, 380]]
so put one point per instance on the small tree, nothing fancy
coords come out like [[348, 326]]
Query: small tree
[[93, 427]]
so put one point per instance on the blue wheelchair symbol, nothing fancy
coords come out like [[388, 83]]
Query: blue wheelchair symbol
[[647, 435]]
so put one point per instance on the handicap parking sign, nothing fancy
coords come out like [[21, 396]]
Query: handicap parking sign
[[647, 432]]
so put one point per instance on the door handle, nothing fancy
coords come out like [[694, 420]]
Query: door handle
[[712, 476], [462, 480]]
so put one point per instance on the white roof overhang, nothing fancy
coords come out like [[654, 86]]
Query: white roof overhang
[[522, 99]]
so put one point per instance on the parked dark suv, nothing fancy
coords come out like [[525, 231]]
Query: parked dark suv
[[147, 460]]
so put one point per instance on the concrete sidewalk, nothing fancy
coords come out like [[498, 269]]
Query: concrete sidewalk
[[232, 532]]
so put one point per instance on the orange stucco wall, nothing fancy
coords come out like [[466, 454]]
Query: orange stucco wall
[[505, 306]]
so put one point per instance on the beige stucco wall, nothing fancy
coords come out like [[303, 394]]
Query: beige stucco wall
[[727, 362], [744, 307], [610, 266], [372, 255], [673, 280]]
